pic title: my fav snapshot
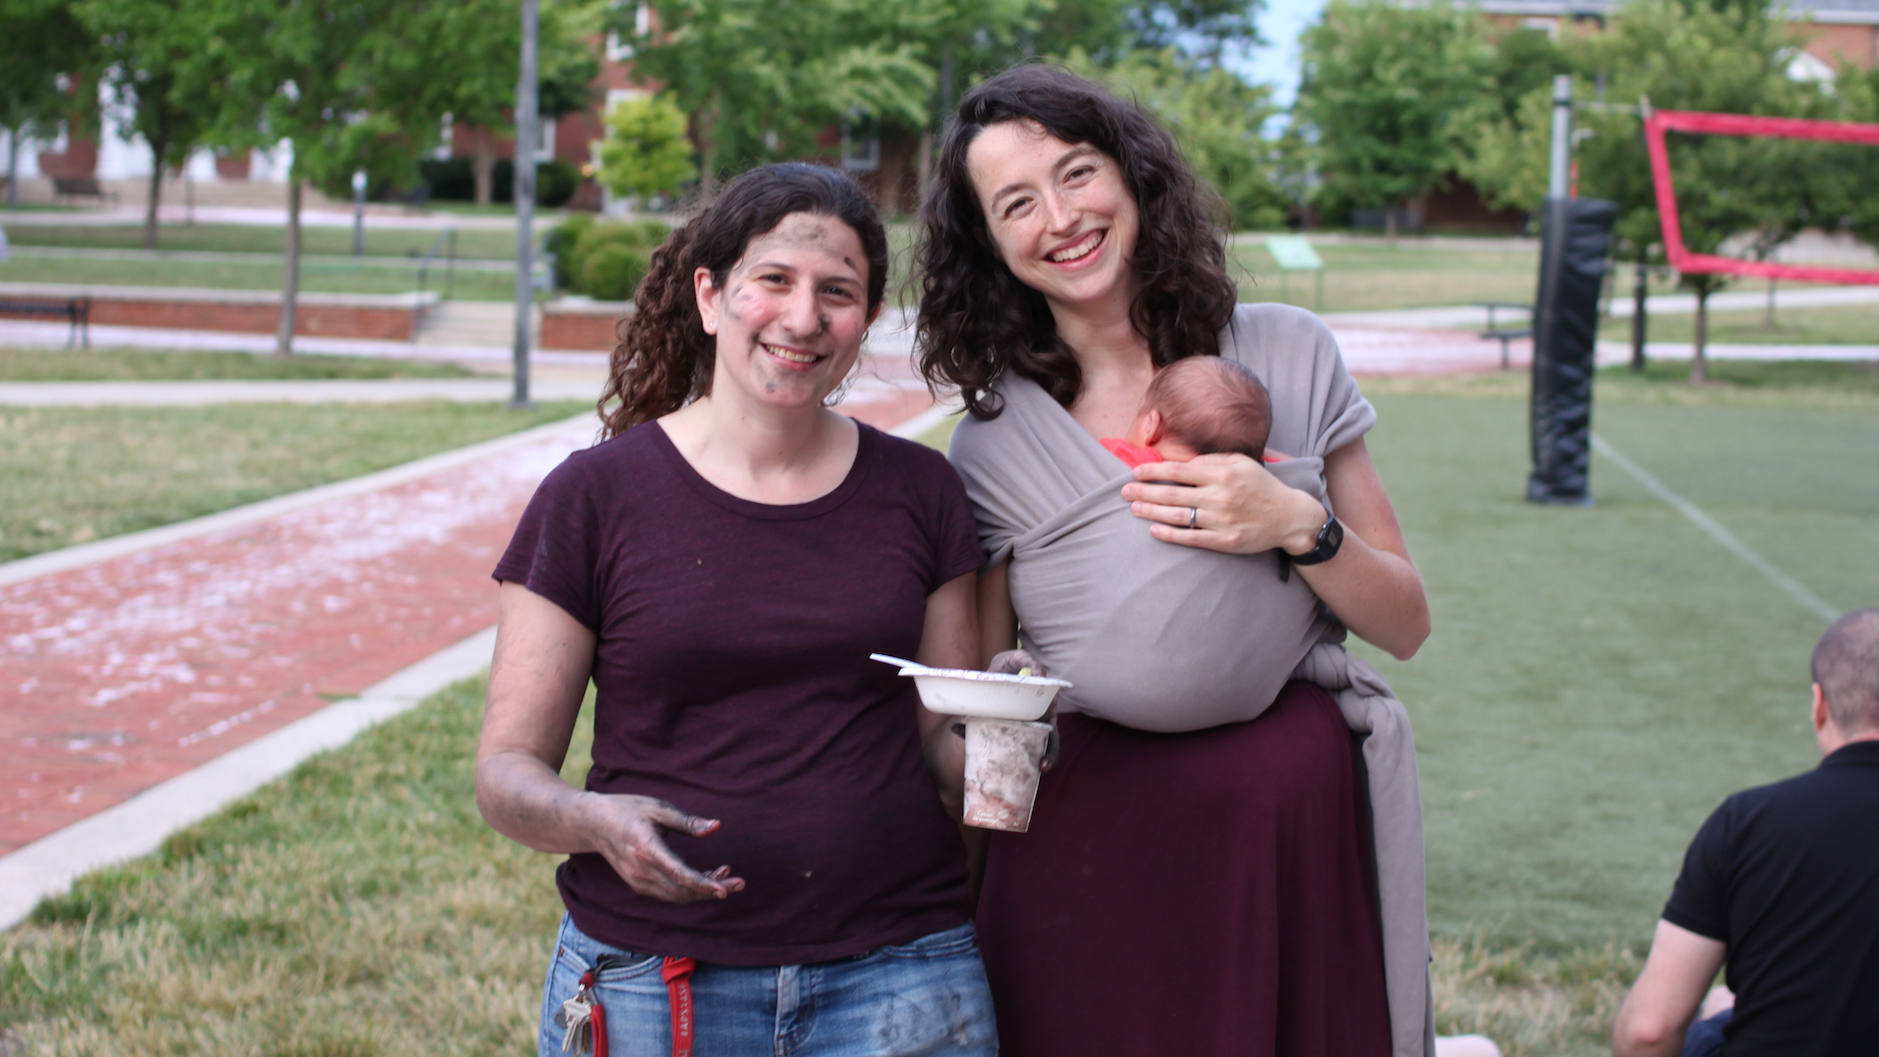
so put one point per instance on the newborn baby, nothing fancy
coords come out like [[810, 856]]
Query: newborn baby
[[1196, 406]]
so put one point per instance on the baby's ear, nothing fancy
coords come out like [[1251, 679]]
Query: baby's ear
[[1151, 427]]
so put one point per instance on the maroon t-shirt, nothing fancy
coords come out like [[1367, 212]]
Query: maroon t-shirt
[[733, 680]]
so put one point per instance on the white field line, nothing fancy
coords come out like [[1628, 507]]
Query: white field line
[[138, 826], [1714, 530]]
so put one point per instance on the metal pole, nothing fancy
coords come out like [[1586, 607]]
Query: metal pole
[[1559, 176], [1640, 292], [358, 212], [527, 139]]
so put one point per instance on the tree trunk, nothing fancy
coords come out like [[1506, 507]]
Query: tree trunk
[[1768, 317], [923, 169], [1389, 224], [1699, 362], [290, 284], [483, 166], [13, 168], [156, 194]]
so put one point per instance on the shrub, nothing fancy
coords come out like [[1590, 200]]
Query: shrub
[[603, 259]]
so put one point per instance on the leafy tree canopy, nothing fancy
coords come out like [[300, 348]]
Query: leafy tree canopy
[[1389, 92]]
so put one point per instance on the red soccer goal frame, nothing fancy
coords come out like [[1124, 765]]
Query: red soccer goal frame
[[1661, 121]]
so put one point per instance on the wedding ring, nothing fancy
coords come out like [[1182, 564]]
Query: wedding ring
[[1193, 516]]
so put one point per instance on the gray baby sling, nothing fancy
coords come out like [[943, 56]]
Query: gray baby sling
[[1162, 637]]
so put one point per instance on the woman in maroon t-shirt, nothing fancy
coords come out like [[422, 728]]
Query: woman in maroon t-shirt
[[721, 566]]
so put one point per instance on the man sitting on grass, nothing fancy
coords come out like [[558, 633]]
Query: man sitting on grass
[[1782, 885]]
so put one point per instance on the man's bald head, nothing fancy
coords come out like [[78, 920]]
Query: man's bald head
[[1846, 665]]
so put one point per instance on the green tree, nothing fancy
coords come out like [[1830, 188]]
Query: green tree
[[1217, 118], [484, 39], [1731, 58], [1499, 158], [645, 152], [44, 51], [348, 85], [1388, 90], [153, 55]]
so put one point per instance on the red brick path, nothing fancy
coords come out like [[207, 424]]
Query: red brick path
[[120, 675]]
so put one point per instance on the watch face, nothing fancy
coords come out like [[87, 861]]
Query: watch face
[[1331, 536]]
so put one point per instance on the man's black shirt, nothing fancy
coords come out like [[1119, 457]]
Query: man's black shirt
[[1787, 875]]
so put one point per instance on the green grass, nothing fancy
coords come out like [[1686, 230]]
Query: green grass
[[357, 907], [1834, 325], [1367, 277], [1598, 680], [70, 475], [315, 276], [248, 238], [121, 365]]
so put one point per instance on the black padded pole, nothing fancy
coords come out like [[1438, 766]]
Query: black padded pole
[[1575, 237]]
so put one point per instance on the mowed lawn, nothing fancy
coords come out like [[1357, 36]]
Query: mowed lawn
[[1598, 680], [72, 475]]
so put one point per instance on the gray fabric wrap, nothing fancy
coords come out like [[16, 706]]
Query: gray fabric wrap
[[1161, 637]]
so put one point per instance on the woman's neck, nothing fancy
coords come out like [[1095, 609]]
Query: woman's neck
[[761, 453], [1115, 361], [1102, 336]]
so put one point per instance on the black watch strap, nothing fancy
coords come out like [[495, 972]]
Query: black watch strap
[[1330, 538]]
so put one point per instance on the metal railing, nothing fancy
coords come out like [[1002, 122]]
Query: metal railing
[[445, 244]]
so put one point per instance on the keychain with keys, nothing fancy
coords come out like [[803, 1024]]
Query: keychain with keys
[[584, 1020]]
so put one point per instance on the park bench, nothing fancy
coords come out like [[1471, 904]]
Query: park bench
[[81, 187], [76, 309], [1508, 333]]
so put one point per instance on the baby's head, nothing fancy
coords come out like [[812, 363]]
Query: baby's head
[[1203, 404]]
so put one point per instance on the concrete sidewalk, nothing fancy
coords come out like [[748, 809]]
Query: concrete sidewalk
[[154, 677]]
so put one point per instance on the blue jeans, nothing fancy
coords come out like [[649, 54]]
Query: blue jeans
[[924, 997], [1704, 1039]]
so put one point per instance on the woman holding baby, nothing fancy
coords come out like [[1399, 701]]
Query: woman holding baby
[[1226, 855]]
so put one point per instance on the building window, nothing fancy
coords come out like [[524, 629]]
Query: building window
[[545, 150]]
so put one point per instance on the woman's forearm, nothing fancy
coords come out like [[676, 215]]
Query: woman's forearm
[[1376, 594], [1371, 584], [526, 801]]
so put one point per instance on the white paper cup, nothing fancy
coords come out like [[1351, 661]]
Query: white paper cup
[[1002, 772]]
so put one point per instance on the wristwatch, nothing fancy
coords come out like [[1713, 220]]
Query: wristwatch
[[1330, 538]]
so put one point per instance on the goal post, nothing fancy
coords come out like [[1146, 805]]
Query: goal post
[[1659, 122]]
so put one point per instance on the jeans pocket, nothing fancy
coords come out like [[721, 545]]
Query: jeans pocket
[[948, 944]]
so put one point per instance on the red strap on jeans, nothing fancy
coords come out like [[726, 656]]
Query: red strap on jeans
[[597, 1015], [677, 973]]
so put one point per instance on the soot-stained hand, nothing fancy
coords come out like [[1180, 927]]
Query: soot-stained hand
[[630, 832], [1015, 662]]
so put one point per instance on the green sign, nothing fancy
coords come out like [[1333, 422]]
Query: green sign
[[1294, 253]]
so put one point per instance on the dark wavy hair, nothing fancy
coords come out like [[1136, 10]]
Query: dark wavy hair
[[977, 319], [664, 358]]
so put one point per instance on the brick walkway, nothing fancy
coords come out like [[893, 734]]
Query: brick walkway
[[122, 674]]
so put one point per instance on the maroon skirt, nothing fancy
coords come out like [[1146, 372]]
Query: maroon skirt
[[1208, 894]]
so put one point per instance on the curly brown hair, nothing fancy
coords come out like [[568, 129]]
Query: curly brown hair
[[664, 358], [976, 318]]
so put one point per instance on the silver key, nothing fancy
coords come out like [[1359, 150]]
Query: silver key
[[577, 1018]]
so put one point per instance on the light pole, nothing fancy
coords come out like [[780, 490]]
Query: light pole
[[358, 212], [526, 139]]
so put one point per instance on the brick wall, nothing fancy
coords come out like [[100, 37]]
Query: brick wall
[[584, 325], [320, 315]]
